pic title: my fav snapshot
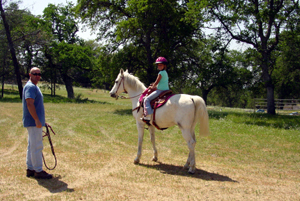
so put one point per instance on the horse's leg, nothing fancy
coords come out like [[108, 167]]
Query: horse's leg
[[140, 128], [189, 137], [152, 137], [187, 164]]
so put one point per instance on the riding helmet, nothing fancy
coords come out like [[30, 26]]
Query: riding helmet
[[161, 60]]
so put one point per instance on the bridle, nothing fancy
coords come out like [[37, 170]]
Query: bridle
[[122, 79], [123, 97]]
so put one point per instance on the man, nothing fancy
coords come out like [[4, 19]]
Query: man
[[34, 120]]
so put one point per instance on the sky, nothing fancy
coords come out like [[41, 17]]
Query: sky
[[36, 7]]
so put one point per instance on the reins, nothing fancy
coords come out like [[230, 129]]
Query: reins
[[137, 108], [47, 133], [123, 97]]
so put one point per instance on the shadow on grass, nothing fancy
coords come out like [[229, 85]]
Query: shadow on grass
[[258, 119], [217, 115], [12, 96], [180, 171], [61, 99], [123, 112], [54, 185]]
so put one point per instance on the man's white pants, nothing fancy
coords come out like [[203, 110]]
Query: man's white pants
[[34, 159]]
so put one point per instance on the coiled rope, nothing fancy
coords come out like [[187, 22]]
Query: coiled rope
[[47, 133]]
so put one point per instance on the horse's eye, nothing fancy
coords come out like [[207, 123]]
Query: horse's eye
[[116, 82]]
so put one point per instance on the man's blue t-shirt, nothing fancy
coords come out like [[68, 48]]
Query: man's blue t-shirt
[[164, 81], [32, 91]]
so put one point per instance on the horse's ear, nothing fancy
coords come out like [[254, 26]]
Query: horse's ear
[[126, 71], [121, 71]]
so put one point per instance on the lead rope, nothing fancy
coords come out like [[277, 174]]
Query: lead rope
[[47, 133]]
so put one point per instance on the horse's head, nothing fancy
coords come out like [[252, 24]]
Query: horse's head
[[119, 85]]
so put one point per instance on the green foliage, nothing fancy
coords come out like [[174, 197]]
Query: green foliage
[[23, 35], [287, 69], [148, 29], [134, 33], [68, 59], [212, 66], [62, 22], [255, 23]]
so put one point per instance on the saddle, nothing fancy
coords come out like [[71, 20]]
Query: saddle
[[156, 103]]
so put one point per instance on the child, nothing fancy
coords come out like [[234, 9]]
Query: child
[[161, 84]]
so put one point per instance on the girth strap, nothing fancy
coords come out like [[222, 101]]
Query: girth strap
[[153, 122]]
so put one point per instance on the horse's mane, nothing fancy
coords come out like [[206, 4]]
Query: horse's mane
[[133, 81]]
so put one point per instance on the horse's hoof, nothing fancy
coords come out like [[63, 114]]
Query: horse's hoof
[[154, 159], [136, 161]]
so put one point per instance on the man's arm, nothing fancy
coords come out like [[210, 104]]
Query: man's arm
[[32, 111]]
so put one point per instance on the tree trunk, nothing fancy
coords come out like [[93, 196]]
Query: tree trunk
[[52, 77], [270, 100], [204, 95], [12, 50], [52, 72], [269, 85], [2, 91], [69, 86], [54, 87], [28, 58], [3, 76]]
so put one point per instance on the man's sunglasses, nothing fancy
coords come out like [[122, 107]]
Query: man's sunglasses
[[36, 74]]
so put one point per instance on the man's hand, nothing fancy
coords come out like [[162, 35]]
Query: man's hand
[[38, 123]]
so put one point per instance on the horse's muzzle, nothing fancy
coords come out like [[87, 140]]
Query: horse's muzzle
[[113, 95]]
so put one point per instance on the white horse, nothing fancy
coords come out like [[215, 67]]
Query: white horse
[[181, 109]]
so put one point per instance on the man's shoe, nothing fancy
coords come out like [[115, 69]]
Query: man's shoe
[[30, 173], [42, 175]]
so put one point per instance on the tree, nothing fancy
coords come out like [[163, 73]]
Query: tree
[[62, 23], [287, 71], [27, 39], [257, 23], [147, 28], [12, 49], [31, 40], [4, 59], [71, 59], [211, 65], [240, 79]]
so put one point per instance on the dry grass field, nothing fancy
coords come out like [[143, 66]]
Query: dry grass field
[[247, 157]]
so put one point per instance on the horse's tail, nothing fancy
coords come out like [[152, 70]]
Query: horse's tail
[[201, 115]]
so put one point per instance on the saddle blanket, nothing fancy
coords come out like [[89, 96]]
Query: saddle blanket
[[162, 99]]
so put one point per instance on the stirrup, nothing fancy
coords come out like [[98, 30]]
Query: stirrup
[[146, 121]]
